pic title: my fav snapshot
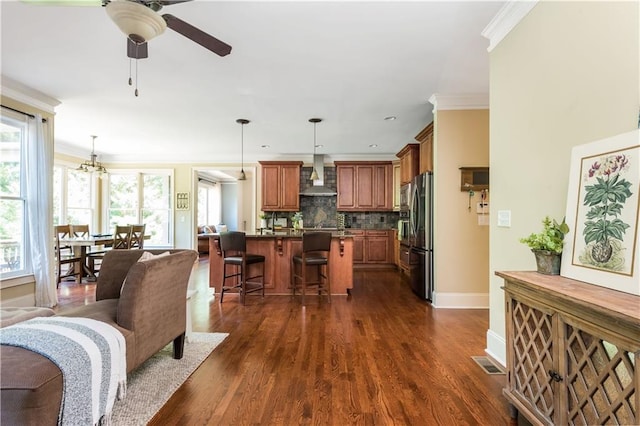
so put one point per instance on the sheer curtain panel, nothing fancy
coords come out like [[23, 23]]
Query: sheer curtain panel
[[39, 189]]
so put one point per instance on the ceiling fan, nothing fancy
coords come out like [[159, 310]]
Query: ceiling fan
[[140, 21]]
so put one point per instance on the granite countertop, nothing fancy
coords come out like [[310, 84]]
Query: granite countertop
[[290, 233]]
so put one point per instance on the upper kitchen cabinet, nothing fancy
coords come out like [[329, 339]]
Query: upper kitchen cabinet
[[396, 186], [281, 185], [409, 162], [425, 137], [364, 185]]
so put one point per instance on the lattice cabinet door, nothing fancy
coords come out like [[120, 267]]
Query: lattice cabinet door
[[532, 355], [572, 351], [600, 377]]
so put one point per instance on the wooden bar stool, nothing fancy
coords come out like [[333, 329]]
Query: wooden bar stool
[[315, 252], [234, 252]]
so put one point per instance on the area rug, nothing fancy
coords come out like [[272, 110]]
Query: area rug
[[151, 385]]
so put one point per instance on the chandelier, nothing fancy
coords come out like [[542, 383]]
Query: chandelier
[[92, 165]]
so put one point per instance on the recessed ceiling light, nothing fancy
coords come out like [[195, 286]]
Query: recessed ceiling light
[[265, 146], [390, 118], [373, 145]]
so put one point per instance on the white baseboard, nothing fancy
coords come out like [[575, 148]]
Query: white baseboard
[[496, 347], [460, 300]]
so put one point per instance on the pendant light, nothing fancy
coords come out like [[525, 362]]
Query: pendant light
[[242, 122], [92, 165], [314, 174]]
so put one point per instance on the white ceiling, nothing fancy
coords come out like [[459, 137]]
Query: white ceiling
[[349, 63]]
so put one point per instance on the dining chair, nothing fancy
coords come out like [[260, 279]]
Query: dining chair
[[79, 231], [234, 252], [64, 255], [137, 236], [121, 241], [315, 252]]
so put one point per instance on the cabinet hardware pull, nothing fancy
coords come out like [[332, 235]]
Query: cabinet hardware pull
[[555, 376]]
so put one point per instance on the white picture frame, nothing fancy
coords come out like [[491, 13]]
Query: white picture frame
[[603, 209]]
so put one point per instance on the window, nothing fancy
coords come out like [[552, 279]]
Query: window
[[73, 199], [208, 203], [142, 197], [13, 203]]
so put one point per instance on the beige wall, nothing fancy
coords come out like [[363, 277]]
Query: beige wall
[[461, 252], [565, 76]]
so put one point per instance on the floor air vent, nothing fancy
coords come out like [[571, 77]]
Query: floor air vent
[[488, 366]]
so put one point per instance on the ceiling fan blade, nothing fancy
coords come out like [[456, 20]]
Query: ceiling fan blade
[[203, 39], [137, 50], [170, 2], [65, 2]]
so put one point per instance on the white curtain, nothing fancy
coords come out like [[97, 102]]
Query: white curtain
[[39, 188]]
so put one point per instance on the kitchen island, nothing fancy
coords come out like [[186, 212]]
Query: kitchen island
[[278, 248]]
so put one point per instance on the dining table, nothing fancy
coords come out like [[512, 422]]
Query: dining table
[[81, 245]]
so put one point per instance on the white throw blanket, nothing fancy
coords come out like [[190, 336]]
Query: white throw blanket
[[91, 355]]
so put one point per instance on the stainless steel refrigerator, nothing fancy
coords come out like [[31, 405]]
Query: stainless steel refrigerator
[[421, 236]]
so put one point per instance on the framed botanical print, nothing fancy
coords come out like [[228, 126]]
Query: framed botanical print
[[603, 205]]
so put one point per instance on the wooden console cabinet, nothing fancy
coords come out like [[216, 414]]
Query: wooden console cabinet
[[572, 351]]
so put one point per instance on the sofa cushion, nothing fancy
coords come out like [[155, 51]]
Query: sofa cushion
[[148, 256], [106, 311], [206, 229], [10, 316], [31, 388]]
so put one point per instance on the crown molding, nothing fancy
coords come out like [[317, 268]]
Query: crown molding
[[505, 20], [21, 93], [459, 101]]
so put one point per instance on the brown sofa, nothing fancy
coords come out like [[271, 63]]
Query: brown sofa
[[203, 237], [150, 312]]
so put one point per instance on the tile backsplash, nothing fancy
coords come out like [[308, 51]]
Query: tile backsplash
[[322, 211]]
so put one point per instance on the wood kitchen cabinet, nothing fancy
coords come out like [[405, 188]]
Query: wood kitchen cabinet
[[358, 245], [572, 351], [378, 248], [373, 247], [409, 162], [281, 185], [396, 186], [364, 186], [425, 138]]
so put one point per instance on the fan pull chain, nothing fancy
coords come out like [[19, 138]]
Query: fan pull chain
[[136, 92], [130, 72]]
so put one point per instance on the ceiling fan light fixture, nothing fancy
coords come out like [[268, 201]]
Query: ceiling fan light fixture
[[135, 20]]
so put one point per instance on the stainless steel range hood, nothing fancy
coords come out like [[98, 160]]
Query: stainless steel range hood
[[318, 189]]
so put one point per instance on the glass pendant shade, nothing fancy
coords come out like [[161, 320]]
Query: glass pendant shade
[[314, 173], [242, 122]]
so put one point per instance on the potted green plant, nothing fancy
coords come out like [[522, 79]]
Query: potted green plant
[[296, 220], [547, 245], [263, 221]]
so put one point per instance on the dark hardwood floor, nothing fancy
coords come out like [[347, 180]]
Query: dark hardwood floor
[[380, 356]]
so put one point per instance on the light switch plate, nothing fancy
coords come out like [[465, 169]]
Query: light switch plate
[[504, 218]]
